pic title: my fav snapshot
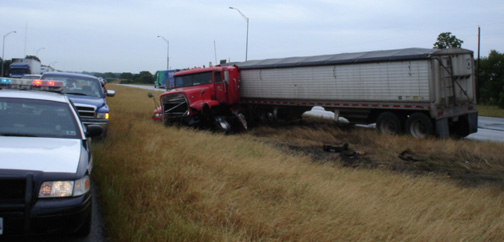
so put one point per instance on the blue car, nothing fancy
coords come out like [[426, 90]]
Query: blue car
[[88, 95]]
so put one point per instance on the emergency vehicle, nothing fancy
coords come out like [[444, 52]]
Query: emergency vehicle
[[45, 161]]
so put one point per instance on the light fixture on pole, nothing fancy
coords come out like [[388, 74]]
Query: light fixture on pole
[[167, 52], [36, 53], [246, 19], [3, 50]]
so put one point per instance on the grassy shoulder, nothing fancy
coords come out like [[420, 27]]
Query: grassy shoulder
[[176, 184], [490, 111]]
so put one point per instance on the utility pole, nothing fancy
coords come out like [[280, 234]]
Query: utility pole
[[478, 66]]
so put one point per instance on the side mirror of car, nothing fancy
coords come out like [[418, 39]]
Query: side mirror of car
[[93, 130], [110, 93]]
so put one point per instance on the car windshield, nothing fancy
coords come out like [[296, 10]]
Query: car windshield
[[193, 79], [37, 118], [79, 85]]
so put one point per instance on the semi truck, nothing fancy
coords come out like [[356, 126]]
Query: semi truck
[[45, 68], [22, 66], [422, 92], [164, 79]]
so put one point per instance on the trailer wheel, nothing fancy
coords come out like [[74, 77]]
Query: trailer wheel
[[389, 123], [419, 125]]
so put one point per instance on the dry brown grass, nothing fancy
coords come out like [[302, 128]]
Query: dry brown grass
[[178, 184], [464, 161]]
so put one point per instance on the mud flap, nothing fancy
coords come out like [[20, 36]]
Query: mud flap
[[472, 121], [241, 118], [442, 128]]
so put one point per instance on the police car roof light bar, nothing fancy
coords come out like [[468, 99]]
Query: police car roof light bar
[[26, 84]]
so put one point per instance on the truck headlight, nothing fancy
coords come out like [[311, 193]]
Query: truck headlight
[[102, 115], [50, 189]]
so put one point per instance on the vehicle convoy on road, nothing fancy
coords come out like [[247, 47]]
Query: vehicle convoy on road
[[88, 96], [45, 161], [21, 66], [419, 91]]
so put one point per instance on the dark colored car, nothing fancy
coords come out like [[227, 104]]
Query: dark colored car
[[88, 95]]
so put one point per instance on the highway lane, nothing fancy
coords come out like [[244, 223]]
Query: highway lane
[[489, 129]]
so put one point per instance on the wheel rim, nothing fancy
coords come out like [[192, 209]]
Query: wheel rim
[[388, 126], [418, 129]]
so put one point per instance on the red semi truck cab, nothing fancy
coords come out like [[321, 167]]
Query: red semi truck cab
[[202, 95]]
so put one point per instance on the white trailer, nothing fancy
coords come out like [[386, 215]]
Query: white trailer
[[22, 66], [417, 91]]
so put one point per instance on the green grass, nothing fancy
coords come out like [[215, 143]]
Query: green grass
[[490, 111]]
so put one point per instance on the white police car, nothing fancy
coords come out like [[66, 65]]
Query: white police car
[[45, 161]]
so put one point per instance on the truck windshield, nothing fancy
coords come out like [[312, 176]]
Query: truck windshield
[[36, 118], [79, 86], [193, 79], [18, 71]]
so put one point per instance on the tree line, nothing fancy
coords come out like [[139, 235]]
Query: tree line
[[144, 77]]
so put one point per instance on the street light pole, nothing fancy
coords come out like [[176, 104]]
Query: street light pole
[[3, 50], [246, 19], [167, 52]]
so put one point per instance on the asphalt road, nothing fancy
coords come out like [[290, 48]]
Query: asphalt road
[[489, 129]]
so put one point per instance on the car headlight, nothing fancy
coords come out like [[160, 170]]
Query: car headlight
[[102, 115], [50, 189]]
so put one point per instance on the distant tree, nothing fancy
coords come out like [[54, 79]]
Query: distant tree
[[32, 57], [6, 66], [492, 79], [447, 40], [126, 75], [109, 75], [144, 77]]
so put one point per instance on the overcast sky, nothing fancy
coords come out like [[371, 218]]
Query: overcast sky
[[121, 35]]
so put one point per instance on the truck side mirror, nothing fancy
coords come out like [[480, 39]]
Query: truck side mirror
[[202, 91]]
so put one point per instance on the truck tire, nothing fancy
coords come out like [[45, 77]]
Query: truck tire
[[389, 123], [419, 125]]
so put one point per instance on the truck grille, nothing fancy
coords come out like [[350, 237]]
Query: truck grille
[[86, 111], [174, 106]]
